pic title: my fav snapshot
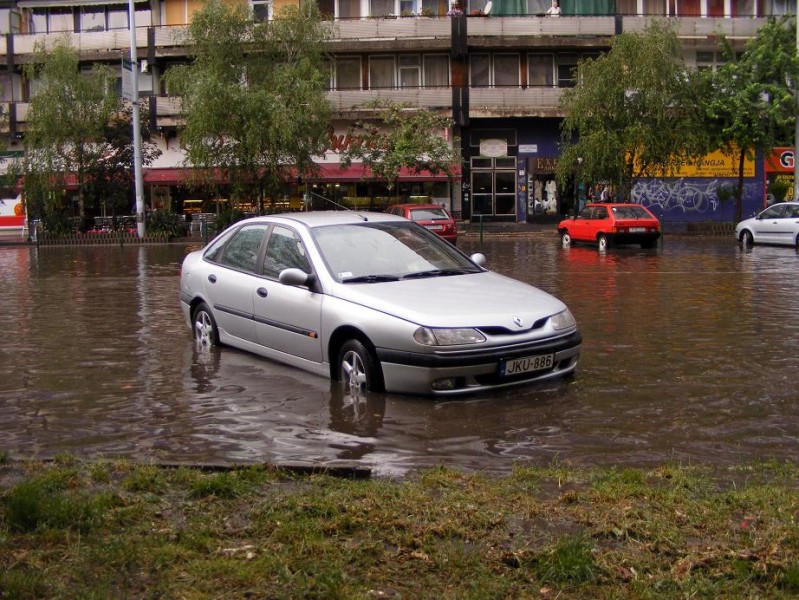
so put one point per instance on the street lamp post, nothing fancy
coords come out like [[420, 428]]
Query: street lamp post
[[136, 125], [577, 173]]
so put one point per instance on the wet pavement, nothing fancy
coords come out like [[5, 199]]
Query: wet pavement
[[690, 354]]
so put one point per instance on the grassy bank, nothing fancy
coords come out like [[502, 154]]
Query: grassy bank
[[117, 530]]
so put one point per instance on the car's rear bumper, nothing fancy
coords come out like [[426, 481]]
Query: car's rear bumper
[[460, 373]]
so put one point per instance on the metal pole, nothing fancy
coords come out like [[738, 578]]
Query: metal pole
[[796, 132], [136, 125]]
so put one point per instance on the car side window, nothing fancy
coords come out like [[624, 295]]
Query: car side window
[[585, 213], [774, 212], [601, 213], [241, 251], [284, 250]]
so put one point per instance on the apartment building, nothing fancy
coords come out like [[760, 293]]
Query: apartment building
[[498, 69]]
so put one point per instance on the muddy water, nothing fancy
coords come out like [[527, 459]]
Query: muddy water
[[691, 352]]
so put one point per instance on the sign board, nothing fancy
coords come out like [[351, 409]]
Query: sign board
[[127, 79]]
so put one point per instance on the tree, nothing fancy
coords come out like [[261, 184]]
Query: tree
[[254, 98], [750, 101], [633, 110], [400, 137], [110, 170], [67, 118]]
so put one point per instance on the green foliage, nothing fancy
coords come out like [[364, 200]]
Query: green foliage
[[749, 102], [241, 107], [227, 217], [66, 119], [632, 111], [570, 562], [779, 189], [398, 137], [164, 223], [44, 503]]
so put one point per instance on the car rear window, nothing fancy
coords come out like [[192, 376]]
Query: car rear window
[[631, 212], [428, 214]]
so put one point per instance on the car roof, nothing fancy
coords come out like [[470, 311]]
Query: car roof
[[614, 204], [426, 206], [327, 217]]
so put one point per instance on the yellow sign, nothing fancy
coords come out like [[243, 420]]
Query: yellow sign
[[715, 164]]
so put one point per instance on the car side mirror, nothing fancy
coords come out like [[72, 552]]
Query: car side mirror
[[294, 277], [479, 259]]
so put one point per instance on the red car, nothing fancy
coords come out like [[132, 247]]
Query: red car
[[606, 223], [434, 217]]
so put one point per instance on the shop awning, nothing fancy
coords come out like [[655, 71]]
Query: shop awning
[[326, 173]]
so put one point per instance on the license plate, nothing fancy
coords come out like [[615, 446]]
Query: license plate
[[435, 227], [526, 364], [637, 229]]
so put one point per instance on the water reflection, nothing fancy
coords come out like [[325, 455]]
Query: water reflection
[[689, 354]]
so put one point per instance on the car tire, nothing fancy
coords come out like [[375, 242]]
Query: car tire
[[746, 238], [602, 242], [358, 368], [565, 239], [206, 333]]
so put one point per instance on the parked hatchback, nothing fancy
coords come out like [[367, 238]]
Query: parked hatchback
[[431, 216], [606, 224], [778, 224], [375, 301]]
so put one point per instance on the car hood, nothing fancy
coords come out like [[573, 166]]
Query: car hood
[[471, 300]]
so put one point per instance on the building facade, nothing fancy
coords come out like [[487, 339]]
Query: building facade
[[497, 68]]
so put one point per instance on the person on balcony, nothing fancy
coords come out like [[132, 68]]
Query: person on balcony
[[554, 10]]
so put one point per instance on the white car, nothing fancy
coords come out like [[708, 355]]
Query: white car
[[375, 301], [778, 224]]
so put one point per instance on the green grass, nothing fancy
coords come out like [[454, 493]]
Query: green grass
[[115, 529]]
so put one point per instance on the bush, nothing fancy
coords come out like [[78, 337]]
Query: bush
[[166, 224], [227, 217]]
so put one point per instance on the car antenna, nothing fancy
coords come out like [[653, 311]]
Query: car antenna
[[334, 203]]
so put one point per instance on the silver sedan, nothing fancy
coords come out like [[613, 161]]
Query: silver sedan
[[374, 301], [778, 224]]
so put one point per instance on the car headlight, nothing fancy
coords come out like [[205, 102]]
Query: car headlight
[[447, 337], [563, 320]]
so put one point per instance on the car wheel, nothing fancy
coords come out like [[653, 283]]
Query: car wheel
[[358, 369], [565, 239], [746, 238], [204, 325], [603, 242]]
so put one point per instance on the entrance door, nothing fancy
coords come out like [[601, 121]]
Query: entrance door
[[494, 186]]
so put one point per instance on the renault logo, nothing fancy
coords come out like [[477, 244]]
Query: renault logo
[[518, 321]]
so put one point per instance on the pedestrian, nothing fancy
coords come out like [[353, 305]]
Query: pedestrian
[[554, 10], [454, 9]]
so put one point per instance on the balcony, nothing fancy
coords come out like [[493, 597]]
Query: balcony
[[351, 100], [515, 102]]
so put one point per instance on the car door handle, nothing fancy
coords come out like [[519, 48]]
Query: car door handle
[[212, 278], [262, 292]]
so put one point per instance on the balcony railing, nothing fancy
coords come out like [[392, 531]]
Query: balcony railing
[[405, 29], [538, 101], [345, 100]]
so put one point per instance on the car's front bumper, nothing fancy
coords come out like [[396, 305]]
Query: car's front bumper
[[460, 372]]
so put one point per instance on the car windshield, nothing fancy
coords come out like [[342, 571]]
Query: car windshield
[[630, 212], [376, 252]]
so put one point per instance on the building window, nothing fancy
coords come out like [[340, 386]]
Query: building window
[[410, 73], [349, 9], [262, 10], [436, 71], [506, 70], [92, 18], [567, 70], [540, 70], [381, 8], [118, 18], [480, 70], [347, 74], [381, 72]]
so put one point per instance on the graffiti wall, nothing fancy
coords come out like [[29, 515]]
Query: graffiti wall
[[686, 200]]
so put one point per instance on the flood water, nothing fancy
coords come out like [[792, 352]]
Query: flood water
[[690, 353]]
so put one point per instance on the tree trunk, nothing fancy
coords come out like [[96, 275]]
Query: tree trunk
[[739, 191]]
